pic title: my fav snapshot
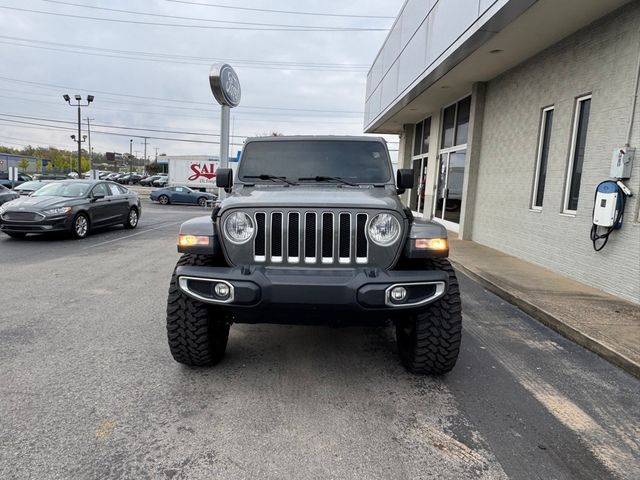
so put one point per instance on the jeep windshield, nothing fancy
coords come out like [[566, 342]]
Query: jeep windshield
[[322, 161]]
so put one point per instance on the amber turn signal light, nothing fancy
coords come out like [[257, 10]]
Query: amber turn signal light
[[431, 244], [193, 240]]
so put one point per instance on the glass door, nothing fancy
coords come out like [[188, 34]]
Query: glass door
[[448, 202], [417, 199]]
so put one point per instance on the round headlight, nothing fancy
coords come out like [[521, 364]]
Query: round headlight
[[238, 227], [384, 229]]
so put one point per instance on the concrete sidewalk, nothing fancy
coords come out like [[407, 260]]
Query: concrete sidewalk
[[596, 320]]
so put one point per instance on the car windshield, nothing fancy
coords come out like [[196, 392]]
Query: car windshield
[[33, 185], [353, 161], [63, 189]]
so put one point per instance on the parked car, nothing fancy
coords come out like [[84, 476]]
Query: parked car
[[181, 195], [76, 206], [129, 179], [22, 177], [161, 181], [6, 195], [27, 188]]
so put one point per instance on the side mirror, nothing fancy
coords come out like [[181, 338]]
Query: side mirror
[[404, 179], [97, 196], [224, 179]]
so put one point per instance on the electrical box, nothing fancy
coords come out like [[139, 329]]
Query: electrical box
[[621, 162], [606, 207]]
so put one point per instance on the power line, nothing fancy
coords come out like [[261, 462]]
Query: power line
[[178, 59], [115, 94], [177, 17], [121, 127], [206, 27], [289, 12], [182, 62]]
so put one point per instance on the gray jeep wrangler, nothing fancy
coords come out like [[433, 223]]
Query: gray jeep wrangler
[[313, 232]]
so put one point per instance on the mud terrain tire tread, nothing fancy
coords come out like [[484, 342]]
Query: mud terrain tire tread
[[196, 337], [429, 340]]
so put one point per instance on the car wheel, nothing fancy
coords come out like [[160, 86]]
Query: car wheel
[[16, 234], [80, 226], [132, 219], [202, 201], [197, 332], [163, 199], [428, 339]]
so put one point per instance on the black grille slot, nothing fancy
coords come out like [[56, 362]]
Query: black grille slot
[[310, 235], [327, 235], [361, 239], [276, 235], [260, 244], [22, 216], [345, 235], [294, 235]]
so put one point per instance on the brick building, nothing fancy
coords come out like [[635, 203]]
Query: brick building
[[509, 112]]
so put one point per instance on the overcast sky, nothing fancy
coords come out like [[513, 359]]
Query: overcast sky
[[156, 76]]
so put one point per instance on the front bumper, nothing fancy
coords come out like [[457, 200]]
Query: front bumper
[[56, 223], [358, 289]]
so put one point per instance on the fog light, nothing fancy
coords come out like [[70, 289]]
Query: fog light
[[399, 294], [222, 290]]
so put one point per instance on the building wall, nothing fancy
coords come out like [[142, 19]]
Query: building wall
[[602, 60]]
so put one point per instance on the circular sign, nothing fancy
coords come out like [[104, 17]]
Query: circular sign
[[225, 85]]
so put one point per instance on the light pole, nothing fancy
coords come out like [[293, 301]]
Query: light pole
[[78, 99]]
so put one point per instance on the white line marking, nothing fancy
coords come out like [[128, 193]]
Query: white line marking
[[133, 235]]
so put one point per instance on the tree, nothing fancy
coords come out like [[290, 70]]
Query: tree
[[23, 164]]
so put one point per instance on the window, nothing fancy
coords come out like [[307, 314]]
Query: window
[[448, 122], [101, 189], [576, 155], [422, 135], [417, 139], [543, 158], [455, 123]]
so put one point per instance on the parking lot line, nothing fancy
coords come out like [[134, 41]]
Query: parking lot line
[[133, 234]]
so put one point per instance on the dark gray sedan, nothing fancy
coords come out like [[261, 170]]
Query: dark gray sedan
[[76, 206]]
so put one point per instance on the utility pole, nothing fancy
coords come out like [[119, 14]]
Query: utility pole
[[157, 154], [90, 149], [145, 150], [130, 154]]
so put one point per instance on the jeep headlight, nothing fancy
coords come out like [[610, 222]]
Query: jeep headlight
[[384, 229], [238, 227]]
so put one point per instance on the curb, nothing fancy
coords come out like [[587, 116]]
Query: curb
[[553, 322]]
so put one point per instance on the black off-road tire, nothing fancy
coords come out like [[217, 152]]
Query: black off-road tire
[[429, 339], [197, 332]]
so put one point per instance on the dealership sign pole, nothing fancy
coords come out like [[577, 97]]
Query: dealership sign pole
[[226, 90]]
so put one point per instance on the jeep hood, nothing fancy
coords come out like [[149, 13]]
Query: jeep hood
[[315, 197]]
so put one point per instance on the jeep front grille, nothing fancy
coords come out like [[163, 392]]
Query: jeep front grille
[[314, 237]]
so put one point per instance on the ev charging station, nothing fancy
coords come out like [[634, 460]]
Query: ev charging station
[[611, 197]]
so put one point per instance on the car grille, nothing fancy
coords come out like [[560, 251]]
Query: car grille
[[22, 216], [310, 237]]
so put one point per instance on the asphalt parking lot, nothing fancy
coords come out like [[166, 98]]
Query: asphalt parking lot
[[88, 388]]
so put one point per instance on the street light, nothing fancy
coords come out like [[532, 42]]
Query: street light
[[79, 141]]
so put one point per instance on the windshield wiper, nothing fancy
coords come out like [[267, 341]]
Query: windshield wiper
[[264, 176], [321, 178]]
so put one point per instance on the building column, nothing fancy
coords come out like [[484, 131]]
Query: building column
[[404, 154], [472, 161]]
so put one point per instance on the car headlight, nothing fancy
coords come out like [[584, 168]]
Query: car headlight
[[57, 211], [384, 229], [238, 227]]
